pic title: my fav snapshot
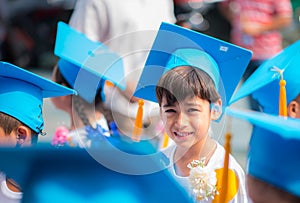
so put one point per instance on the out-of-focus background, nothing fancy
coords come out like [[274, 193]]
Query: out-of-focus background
[[27, 37], [28, 29]]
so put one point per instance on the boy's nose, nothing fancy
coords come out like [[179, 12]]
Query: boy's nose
[[182, 120]]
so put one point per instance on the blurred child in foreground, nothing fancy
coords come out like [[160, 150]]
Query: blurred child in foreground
[[21, 118]]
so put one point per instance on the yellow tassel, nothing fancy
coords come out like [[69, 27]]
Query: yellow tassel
[[227, 147], [109, 84], [282, 99], [282, 108], [138, 125], [227, 180], [165, 141]]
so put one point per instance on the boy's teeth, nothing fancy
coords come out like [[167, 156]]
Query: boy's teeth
[[182, 134]]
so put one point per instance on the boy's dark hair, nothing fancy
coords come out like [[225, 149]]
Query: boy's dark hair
[[186, 81], [79, 102], [10, 124]]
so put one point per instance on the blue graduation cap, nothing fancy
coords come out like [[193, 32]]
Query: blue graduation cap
[[71, 174], [85, 64], [263, 84], [274, 149], [22, 94], [175, 46]]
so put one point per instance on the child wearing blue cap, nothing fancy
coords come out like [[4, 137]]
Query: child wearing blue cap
[[264, 83], [191, 75], [81, 67], [273, 157], [21, 103], [84, 116], [21, 118]]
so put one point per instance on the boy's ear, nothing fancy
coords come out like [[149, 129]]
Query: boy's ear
[[216, 110], [23, 135], [293, 109]]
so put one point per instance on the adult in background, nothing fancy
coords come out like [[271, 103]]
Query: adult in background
[[256, 25]]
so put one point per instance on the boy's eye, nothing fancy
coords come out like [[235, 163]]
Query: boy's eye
[[170, 111], [193, 110]]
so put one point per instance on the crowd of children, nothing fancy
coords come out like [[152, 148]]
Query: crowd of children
[[192, 78]]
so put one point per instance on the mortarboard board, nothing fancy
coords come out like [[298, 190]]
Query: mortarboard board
[[263, 84], [85, 64], [22, 93], [71, 174], [175, 46], [274, 149]]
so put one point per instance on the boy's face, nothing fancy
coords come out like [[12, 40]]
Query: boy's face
[[293, 109], [186, 122]]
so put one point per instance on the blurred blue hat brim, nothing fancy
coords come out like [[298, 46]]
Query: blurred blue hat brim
[[50, 175], [287, 127], [274, 149]]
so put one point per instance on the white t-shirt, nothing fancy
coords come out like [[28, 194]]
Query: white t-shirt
[[6, 195], [215, 162]]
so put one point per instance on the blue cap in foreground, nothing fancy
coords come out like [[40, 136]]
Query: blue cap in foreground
[[22, 93], [274, 149]]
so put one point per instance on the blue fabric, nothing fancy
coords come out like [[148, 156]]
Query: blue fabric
[[22, 93], [85, 82], [274, 149], [73, 175], [85, 64], [195, 58], [226, 62], [275, 159], [263, 84]]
